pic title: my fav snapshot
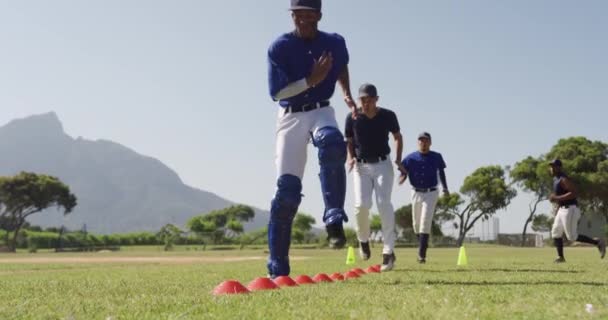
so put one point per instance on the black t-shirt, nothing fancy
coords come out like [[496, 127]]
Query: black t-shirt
[[370, 136]]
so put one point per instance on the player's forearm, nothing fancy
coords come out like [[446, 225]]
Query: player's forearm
[[291, 90], [443, 179], [398, 147], [344, 81], [350, 147]]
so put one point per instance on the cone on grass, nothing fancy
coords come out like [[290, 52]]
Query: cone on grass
[[350, 256], [230, 287], [462, 257]]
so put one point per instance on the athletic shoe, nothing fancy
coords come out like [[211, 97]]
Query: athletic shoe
[[364, 251], [559, 260], [421, 260], [335, 235], [601, 246], [388, 262]]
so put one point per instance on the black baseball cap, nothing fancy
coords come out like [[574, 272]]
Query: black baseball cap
[[556, 163], [305, 5], [368, 90], [425, 135]]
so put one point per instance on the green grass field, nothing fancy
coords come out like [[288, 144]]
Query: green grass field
[[499, 283]]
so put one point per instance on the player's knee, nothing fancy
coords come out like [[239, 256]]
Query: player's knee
[[332, 148], [287, 198]]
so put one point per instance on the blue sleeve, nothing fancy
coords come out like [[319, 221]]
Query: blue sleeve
[[440, 163], [343, 45], [277, 75], [405, 163]]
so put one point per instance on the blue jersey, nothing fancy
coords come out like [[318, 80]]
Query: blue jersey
[[290, 58], [423, 168]]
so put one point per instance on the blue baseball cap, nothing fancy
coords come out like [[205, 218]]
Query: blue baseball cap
[[305, 5]]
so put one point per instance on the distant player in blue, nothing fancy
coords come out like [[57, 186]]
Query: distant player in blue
[[304, 66], [423, 167]]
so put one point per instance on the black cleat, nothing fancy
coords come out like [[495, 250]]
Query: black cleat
[[559, 260], [421, 260], [364, 251], [388, 262], [335, 235]]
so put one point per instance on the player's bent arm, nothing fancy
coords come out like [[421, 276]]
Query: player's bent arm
[[291, 90], [571, 194]]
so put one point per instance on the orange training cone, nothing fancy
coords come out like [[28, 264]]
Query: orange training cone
[[337, 276], [304, 279], [262, 284], [285, 281], [322, 277], [230, 287]]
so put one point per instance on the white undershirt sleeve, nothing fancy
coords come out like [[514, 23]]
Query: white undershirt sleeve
[[292, 89]]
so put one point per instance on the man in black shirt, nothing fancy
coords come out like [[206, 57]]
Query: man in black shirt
[[369, 155], [564, 198]]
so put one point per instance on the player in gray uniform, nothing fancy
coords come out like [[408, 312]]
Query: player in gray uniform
[[564, 197]]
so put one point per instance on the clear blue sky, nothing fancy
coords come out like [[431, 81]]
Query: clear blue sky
[[185, 81]]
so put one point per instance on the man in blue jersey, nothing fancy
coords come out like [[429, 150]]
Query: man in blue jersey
[[423, 167], [564, 197], [304, 66]]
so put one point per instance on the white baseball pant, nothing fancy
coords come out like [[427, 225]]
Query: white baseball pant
[[377, 178], [293, 134], [566, 222], [423, 208]]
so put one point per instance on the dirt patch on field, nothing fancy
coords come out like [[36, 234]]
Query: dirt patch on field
[[172, 260]]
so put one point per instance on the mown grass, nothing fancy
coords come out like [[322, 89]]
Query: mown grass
[[499, 283]]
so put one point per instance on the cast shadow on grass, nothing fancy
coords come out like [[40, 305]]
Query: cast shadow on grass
[[514, 283], [482, 283], [490, 270]]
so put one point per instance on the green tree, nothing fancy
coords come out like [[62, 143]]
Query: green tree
[[375, 224], [532, 176], [168, 234], [303, 221], [542, 223], [302, 225], [486, 192], [586, 163], [218, 223], [28, 193]]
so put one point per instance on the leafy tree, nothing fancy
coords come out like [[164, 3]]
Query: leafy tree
[[486, 192], [216, 224], [586, 162], [168, 234], [532, 175], [28, 193], [235, 226], [542, 223], [303, 222], [375, 224]]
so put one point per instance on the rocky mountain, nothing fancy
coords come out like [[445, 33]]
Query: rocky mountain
[[118, 190]]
